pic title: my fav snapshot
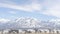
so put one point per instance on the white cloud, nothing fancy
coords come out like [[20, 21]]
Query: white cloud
[[28, 8], [36, 6], [53, 11], [52, 5]]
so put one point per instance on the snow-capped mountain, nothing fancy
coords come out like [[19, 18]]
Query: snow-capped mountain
[[21, 23], [29, 23]]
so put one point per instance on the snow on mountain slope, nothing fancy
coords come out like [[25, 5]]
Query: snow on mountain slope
[[56, 23], [28, 23], [2, 20]]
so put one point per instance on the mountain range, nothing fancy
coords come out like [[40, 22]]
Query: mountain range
[[29, 23]]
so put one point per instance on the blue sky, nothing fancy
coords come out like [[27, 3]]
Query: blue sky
[[40, 9]]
